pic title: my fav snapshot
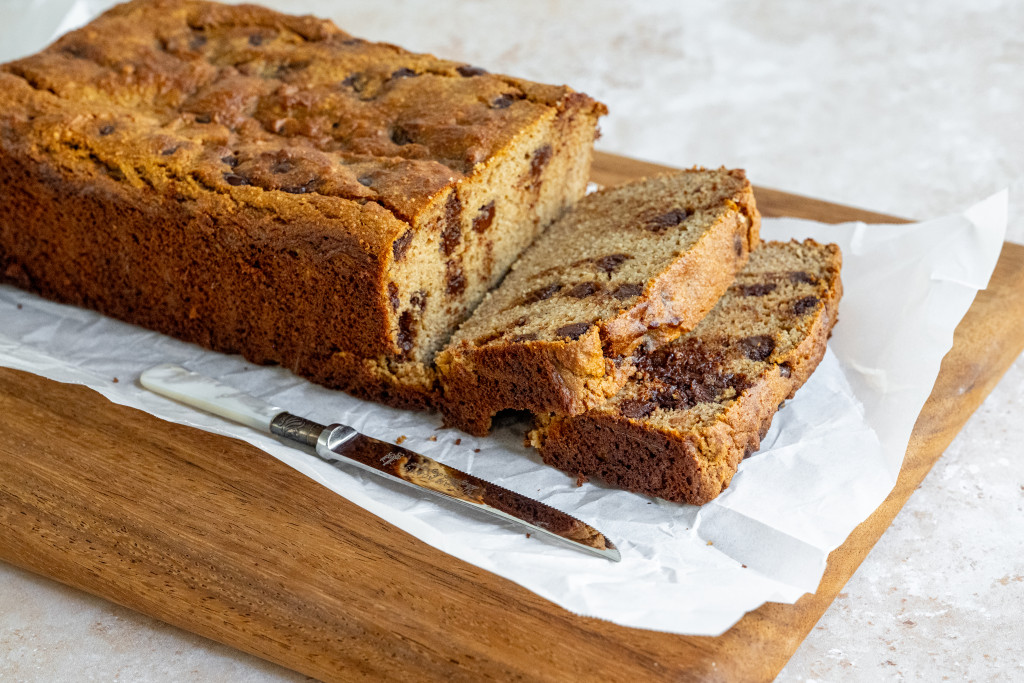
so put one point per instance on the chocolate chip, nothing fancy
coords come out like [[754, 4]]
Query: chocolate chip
[[484, 218], [520, 338], [737, 244], [400, 136], [197, 42], [628, 291], [231, 160], [406, 331], [520, 321], [467, 71], [610, 263], [704, 392], [288, 68], [667, 220], [203, 118], [393, 295], [106, 130], [169, 151], [451, 233], [366, 180], [540, 159], [803, 306], [799, 276], [401, 245], [573, 331], [256, 40], [582, 290], [540, 294], [785, 370], [403, 73], [281, 166], [634, 408], [501, 102], [456, 279], [355, 81], [235, 180], [419, 300], [758, 347], [757, 289], [300, 189]]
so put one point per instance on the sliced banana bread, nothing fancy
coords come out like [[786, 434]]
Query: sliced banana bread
[[638, 263], [696, 407]]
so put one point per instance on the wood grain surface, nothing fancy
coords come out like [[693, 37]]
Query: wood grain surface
[[213, 535]]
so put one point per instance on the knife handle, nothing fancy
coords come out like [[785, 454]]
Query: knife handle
[[199, 391]]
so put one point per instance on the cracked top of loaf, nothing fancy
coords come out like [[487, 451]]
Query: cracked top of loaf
[[184, 97]]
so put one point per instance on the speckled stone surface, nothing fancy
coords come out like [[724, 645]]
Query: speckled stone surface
[[910, 108]]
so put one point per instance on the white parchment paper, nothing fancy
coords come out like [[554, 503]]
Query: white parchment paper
[[831, 457]]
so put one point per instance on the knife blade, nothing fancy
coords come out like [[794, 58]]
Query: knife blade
[[341, 446]]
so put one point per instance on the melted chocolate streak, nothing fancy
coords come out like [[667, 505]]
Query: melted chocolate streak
[[686, 374]]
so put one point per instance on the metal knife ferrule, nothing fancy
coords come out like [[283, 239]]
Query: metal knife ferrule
[[297, 428]]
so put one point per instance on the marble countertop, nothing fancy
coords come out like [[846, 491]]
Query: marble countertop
[[908, 108]]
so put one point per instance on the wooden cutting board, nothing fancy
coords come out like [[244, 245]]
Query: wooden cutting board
[[212, 535]]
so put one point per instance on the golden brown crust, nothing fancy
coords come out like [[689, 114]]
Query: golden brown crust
[[267, 184], [492, 366], [689, 453], [357, 120]]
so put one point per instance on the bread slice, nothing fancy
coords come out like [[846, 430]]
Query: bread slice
[[638, 263], [696, 407]]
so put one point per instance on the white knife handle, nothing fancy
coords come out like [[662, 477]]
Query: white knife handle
[[199, 391]]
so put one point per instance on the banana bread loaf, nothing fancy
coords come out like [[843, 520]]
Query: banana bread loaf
[[696, 407], [638, 263], [267, 184]]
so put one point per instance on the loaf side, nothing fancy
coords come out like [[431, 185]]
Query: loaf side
[[270, 185]]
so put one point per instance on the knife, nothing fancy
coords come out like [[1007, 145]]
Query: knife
[[340, 445]]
